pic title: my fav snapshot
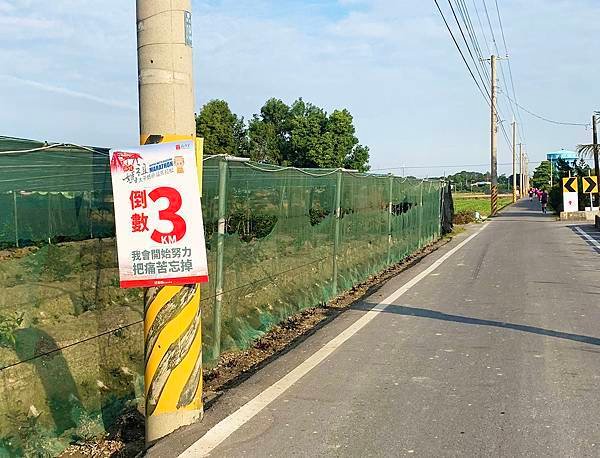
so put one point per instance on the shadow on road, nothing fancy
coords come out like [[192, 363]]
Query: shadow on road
[[426, 313], [590, 232]]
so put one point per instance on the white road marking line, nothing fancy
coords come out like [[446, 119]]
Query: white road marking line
[[588, 237], [222, 430]]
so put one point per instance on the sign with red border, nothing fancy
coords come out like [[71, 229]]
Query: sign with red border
[[158, 215]]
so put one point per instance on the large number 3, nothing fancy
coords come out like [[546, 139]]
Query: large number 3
[[169, 214]]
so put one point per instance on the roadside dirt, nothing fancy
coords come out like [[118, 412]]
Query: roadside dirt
[[127, 439]]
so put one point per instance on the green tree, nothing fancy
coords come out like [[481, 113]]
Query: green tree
[[541, 176], [240, 137], [319, 140], [503, 184], [564, 168], [277, 114], [302, 135], [463, 180], [358, 159], [263, 142], [341, 127], [269, 133], [222, 130], [311, 144]]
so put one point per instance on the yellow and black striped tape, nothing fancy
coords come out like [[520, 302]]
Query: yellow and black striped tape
[[173, 340], [172, 332]]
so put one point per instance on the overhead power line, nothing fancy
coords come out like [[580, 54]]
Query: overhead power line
[[485, 93], [479, 63], [455, 166], [512, 82], [493, 35], [466, 19], [469, 48], [552, 121], [460, 50]]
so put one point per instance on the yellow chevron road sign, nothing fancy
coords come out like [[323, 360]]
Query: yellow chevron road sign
[[570, 184], [590, 184]]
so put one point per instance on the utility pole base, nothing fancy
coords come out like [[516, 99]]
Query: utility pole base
[[494, 209], [159, 426], [173, 354]]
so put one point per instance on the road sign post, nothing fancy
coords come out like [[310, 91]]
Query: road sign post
[[570, 197], [590, 186]]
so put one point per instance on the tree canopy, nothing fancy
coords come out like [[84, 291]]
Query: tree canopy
[[541, 176], [223, 131], [300, 135]]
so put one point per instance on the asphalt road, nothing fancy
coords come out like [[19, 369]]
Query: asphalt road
[[496, 352]]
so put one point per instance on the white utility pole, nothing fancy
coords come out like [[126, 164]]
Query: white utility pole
[[521, 193], [494, 141], [514, 161], [173, 382]]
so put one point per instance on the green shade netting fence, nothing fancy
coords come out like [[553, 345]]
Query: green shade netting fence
[[71, 345]]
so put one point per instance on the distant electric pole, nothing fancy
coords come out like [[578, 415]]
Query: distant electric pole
[[494, 142], [521, 169], [595, 140], [514, 161], [526, 165]]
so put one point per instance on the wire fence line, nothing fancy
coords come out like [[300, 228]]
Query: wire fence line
[[292, 239]]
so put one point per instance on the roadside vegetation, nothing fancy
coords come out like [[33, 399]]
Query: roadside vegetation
[[299, 135], [542, 179], [467, 204]]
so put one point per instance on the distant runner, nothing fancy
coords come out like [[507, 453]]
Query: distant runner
[[544, 201]]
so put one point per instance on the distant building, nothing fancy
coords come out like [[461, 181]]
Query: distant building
[[563, 154]]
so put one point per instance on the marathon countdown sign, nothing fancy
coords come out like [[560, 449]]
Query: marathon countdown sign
[[158, 216]]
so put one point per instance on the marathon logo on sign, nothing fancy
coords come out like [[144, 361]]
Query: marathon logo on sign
[[590, 185], [161, 165], [570, 184], [158, 216]]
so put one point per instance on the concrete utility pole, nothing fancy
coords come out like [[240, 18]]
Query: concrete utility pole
[[526, 179], [521, 169], [172, 327], [595, 140], [514, 161], [494, 142]]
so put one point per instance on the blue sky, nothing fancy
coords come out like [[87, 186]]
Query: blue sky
[[69, 71]]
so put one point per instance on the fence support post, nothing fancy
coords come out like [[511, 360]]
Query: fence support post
[[421, 214], [16, 219], [442, 189], [389, 253], [336, 238], [220, 252], [49, 220]]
